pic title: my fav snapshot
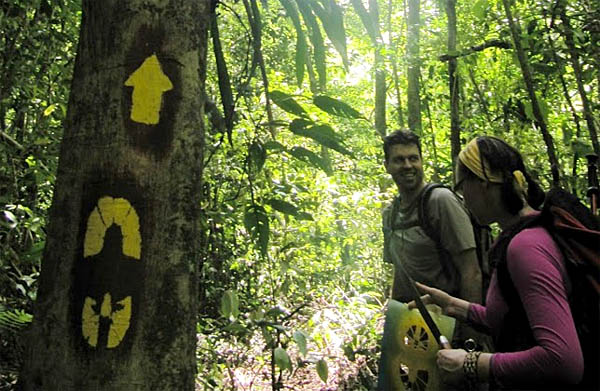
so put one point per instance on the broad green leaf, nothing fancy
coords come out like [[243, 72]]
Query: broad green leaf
[[307, 156], [479, 9], [322, 370], [274, 145], [332, 19], [300, 339], [282, 359], [256, 222], [323, 134], [286, 102], [581, 147], [304, 216], [567, 133], [256, 156], [335, 107], [230, 304], [283, 206], [301, 45], [529, 110], [316, 39]]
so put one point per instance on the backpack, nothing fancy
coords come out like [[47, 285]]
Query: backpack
[[481, 233], [576, 231]]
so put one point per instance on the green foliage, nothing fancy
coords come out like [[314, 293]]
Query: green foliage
[[322, 370]]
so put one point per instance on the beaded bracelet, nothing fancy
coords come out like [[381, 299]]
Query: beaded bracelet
[[470, 369]]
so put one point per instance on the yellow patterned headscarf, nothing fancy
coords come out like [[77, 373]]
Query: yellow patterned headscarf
[[471, 158]]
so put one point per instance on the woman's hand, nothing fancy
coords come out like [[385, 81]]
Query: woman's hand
[[450, 362], [450, 305]]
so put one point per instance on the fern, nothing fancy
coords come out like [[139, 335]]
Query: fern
[[13, 320]]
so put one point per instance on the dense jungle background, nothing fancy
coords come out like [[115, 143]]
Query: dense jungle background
[[300, 92]]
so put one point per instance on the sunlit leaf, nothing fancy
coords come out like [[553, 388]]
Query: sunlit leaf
[[301, 45], [322, 370], [316, 39], [282, 359], [479, 9], [283, 206], [230, 304], [256, 222], [323, 134], [9, 219], [274, 145], [310, 157], [335, 107], [256, 156], [300, 339], [332, 18], [49, 110], [286, 102]]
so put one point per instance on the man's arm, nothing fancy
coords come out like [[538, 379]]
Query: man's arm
[[470, 275]]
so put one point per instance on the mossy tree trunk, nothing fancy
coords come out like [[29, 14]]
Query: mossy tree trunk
[[116, 305]]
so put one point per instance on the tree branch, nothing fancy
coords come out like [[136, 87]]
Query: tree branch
[[495, 43]]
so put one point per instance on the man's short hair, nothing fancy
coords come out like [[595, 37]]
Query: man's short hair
[[401, 136]]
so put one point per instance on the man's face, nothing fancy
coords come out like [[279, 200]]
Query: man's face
[[405, 166]]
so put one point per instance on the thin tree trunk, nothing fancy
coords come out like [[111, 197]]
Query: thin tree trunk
[[484, 106], [116, 306], [537, 113], [453, 82], [380, 74], [394, 62], [370, 19], [256, 29], [223, 76], [414, 67], [567, 96], [567, 32]]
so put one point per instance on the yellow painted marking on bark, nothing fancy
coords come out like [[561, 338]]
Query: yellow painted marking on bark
[[149, 83], [90, 322], [111, 211], [120, 323], [120, 320], [107, 212]]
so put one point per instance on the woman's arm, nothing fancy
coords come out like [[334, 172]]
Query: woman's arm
[[536, 269]]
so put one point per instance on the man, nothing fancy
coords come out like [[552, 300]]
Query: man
[[406, 243]]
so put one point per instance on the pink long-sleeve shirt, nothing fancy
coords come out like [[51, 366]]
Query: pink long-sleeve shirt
[[537, 269]]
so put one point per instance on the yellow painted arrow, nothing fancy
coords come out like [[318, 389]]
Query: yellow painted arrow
[[149, 83]]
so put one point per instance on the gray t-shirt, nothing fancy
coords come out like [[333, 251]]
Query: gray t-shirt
[[412, 249]]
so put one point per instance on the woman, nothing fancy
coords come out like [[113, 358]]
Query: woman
[[536, 340]]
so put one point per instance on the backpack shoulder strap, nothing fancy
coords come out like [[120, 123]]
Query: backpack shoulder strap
[[423, 212]]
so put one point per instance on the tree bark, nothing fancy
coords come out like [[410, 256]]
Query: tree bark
[[116, 307], [537, 113], [453, 82], [414, 67]]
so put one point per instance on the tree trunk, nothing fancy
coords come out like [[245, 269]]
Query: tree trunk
[[537, 113], [453, 81], [380, 74], [574, 56], [414, 67], [370, 19], [116, 307], [394, 62]]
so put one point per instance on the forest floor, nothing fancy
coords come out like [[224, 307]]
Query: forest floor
[[247, 369]]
